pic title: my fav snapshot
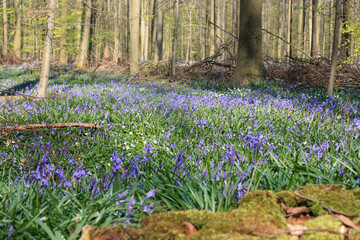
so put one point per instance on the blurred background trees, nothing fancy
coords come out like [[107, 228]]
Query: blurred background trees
[[90, 31]]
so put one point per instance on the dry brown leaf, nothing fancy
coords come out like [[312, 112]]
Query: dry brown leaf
[[300, 219], [189, 228], [296, 230], [347, 221]]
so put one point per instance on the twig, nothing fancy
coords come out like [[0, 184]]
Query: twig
[[272, 34], [53, 125], [305, 230]]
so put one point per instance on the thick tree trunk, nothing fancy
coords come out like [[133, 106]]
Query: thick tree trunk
[[46, 59], [159, 31], [314, 35], [249, 66], [134, 36], [63, 56], [335, 50], [301, 25], [84, 50], [17, 38], [175, 39], [5, 47]]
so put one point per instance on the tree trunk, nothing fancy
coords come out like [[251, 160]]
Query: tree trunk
[[46, 59], [301, 25], [335, 50], [143, 29], [116, 33], [17, 38], [201, 51], [84, 51], [280, 31], [249, 66], [314, 36], [5, 48], [345, 49], [134, 36], [79, 7], [107, 52], [159, 31], [212, 28], [63, 56], [289, 30], [176, 30]]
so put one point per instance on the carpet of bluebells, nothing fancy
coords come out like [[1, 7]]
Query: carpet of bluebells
[[162, 148]]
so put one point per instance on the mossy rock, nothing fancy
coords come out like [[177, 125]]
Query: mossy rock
[[288, 198], [323, 222], [333, 196]]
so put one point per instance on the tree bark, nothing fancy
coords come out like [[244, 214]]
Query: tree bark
[[289, 30], [335, 50], [301, 25], [63, 56], [314, 35], [17, 38], [249, 66], [84, 50], [79, 11], [212, 28], [134, 36], [175, 39], [116, 33], [46, 59], [5, 48], [159, 31], [345, 48]]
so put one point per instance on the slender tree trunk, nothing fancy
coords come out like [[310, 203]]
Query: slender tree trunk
[[289, 30], [151, 38], [280, 31], [318, 26], [301, 25], [201, 50], [345, 48], [212, 28], [223, 25], [5, 48], [249, 66], [17, 38], [143, 29], [134, 36], [116, 33], [331, 31], [175, 39], [79, 11], [46, 59], [84, 53], [234, 25], [63, 56], [335, 51]]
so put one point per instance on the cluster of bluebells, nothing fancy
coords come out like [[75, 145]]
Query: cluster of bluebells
[[218, 138]]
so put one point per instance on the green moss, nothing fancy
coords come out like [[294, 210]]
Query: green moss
[[323, 222], [288, 198], [334, 196], [357, 193], [355, 235], [316, 209]]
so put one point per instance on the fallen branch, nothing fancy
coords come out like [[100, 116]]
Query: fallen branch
[[53, 125]]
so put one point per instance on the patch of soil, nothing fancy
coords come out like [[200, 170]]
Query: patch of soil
[[318, 212]]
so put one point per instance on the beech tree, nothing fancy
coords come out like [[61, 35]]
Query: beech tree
[[335, 50], [134, 36], [249, 65], [46, 59]]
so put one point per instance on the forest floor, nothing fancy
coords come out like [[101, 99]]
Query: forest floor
[[106, 149], [321, 212]]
